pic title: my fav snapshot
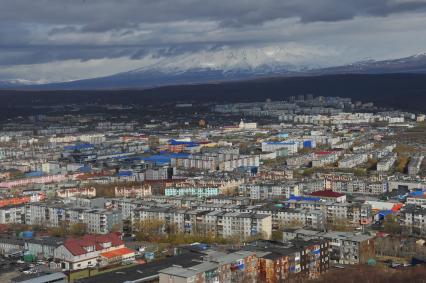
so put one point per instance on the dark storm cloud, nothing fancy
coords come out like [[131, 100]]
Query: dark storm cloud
[[42, 31], [101, 15]]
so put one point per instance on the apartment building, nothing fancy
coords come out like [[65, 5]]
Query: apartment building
[[386, 163], [216, 162], [291, 147], [247, 224], [415, 164], [239, 266], [355, 214], [264, 191], [220, 223], [413, 219], [300, 160], [293, 260], [12, 214], [353, 160], [133, 192], [192, 191], [99, 221], [344, 247], [324, 158]]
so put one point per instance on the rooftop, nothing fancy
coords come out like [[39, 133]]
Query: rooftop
[[327, 193]]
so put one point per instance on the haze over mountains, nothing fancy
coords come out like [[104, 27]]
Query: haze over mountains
[[228, 65]]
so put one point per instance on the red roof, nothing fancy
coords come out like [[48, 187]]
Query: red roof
[[327, 193], [117, 253], [76, 245], [397, 207]]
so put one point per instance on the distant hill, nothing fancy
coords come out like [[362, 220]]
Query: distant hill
[[403, 91]]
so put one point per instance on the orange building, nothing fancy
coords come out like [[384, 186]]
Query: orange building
[[22, 200]]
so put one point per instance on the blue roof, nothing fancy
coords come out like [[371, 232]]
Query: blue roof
[[175, 142], [121, 155], [384, 212], [125, 173], [34, 174], [417, 193], [85, 169], [297, 198], [79, 146], [165, 158]]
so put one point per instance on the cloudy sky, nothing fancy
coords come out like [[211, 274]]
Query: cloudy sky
[[61, 40]]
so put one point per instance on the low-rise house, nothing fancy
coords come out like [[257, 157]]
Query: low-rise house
[[92, 250], [11, 245], [43, 247]]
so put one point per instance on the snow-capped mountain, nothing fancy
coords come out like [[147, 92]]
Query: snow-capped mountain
[[232, 64], [226, 59], [412, 64]]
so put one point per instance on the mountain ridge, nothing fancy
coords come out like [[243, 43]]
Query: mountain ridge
[[157, 77]]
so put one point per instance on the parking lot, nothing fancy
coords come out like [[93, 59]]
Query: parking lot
[[13, 267]]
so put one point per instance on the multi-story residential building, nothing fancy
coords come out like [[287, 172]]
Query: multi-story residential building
[[76, 192], [133, 192], [300, 160], [99, 221], [221, 223], [354, 214], [416, 198], [260, 261], [386, 163], [216, 162], [350, 161], [240, 266], [292, 260], [158, 174], [247, 224], [344, 247], [192, 191], [264, 191], [415, 164], [324, 158], [413, 219], [10, 245], [12, 214], [291, 146]]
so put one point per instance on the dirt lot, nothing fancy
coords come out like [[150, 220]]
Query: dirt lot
[[8, 276]]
